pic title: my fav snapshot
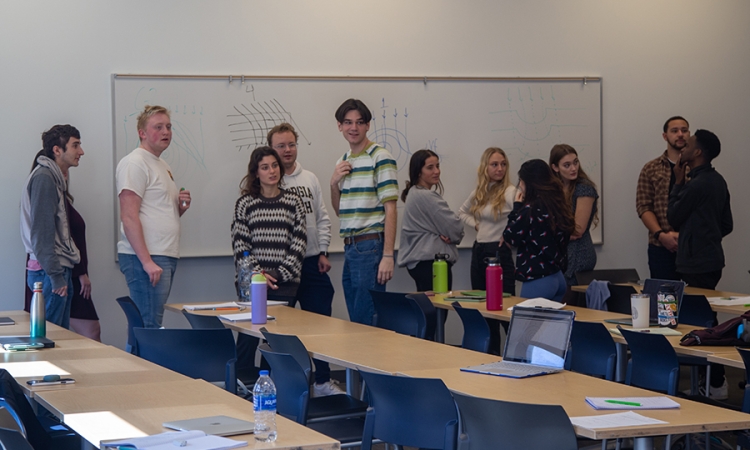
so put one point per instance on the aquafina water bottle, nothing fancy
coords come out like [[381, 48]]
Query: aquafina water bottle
[[244, 275], [264, 406]]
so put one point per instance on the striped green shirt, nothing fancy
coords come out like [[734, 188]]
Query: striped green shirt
[[372, 182]]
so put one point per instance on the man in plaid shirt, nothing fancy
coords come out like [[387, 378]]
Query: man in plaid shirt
[[654, 184]]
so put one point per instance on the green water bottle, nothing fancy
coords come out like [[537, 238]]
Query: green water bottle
[[440, 274]]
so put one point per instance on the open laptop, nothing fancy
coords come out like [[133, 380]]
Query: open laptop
[[537, 343], [651, 287], [216, 425]]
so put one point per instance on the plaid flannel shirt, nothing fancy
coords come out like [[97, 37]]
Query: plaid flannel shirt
[[653, 192]]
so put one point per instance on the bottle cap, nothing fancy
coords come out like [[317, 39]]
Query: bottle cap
[[246, 253], [38, 286], [492, 261], [258, 278], [441, 256], [264, 373]]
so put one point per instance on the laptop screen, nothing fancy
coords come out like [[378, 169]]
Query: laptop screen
[[539, 336], [652, 286]]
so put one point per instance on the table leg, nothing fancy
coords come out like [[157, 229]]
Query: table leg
[[643, 443], [440, 326]]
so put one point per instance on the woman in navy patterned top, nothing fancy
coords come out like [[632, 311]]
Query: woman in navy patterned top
[[540, 226]]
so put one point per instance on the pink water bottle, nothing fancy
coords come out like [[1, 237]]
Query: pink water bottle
[[494, 276]]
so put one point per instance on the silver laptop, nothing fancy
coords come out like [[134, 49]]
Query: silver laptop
[[537, 343], [216, 425]]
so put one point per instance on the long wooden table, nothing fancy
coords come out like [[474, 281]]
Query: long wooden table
[[116, 412], [570, 389]]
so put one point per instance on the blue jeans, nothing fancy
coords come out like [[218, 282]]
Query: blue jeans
[[56, 308], [361, 261], [149, 299], [551, 287], [315, 294], [661, 263]]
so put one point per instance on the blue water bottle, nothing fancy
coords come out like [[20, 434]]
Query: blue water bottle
[[264, 408], [259, 303]]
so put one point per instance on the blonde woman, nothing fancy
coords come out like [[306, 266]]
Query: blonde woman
[[486, 210], [581, 194]]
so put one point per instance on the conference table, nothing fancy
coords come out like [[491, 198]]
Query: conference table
[[118, 395], [387, 352]]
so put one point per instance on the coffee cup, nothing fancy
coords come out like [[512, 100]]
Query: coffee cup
[[640, 305]]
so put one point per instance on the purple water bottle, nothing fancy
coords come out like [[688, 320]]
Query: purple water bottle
[[259, 298]]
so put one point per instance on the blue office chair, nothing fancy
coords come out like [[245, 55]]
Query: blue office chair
[[743, 437], [489, 424], [203, 322], [318, 408], [13, 440], [206, 354], [476, 331], [592, 350], [397, 312], [293, 400], [430, 313], [43, 433], [133, 315], [653, 362], [414, 412]]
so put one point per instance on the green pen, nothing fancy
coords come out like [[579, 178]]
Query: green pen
[[620, 402]]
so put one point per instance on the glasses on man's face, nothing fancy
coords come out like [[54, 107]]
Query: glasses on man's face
[[292, 146]]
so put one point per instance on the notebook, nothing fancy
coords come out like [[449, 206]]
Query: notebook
[[216, 425], [46, 342], [537, 343]]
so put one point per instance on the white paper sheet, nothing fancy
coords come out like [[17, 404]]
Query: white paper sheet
[[729, 301], [242, 317], [213, 306], [540, 302], [616, 420], [656, 402]]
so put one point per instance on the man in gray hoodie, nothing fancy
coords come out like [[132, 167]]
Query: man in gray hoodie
[[44, 221]]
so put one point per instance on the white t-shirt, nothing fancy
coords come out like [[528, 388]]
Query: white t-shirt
[[151, 179]]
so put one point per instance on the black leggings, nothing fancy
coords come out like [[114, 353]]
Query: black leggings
[[482, 250], [422, 275]]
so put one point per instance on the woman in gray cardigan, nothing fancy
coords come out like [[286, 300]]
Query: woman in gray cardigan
[[429, 226]]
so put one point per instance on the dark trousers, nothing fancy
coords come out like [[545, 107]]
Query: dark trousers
[[707, 281], [661, 263], [422, 275], [479, 252], [315, 294]]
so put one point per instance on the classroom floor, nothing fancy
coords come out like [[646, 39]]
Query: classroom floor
[[736, 394]]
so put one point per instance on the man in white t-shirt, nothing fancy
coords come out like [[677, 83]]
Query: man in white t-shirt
[[315, 293], [150, 210]]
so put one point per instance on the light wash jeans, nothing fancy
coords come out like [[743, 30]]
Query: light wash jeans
[[149, 299], [361, 261], [56, 308], [551, 287]]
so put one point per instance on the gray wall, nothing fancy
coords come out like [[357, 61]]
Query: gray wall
[[657, 59]]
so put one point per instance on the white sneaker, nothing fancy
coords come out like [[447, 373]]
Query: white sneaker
[[330, 387], [719, 393]]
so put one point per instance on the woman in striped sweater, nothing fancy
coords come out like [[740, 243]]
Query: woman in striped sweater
[[269, 224]]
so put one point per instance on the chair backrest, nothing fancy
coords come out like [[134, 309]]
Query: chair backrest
[[133, 314], [430, 313], [476, 331], [292, 386], [695, 310], [13, 440], [290, 344], [18, 406], [745, 354], [653, 362], [201, 322], [592, 350], [499, 424], [396, 312], [414, 412], [611, 275], [619, 298], [207, 354]]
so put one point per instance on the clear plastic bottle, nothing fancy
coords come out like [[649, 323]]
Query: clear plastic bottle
[[244, 275], [264, 407]]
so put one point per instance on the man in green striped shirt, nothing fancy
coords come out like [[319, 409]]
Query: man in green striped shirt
[[364, 190]]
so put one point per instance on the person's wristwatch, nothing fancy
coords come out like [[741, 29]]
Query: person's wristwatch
[[323, 254], [656, 235]]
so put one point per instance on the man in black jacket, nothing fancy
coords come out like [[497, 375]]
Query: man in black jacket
[[700, 211]]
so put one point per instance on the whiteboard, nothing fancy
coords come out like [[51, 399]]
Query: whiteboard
[[218, 121]]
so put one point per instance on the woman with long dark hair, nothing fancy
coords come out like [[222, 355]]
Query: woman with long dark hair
[[540, 226], [429, 227], [581, 193]]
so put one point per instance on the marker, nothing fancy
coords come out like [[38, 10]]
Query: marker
[[184, 203], [620, 402]]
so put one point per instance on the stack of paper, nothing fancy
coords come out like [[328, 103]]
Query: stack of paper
[[171, 440], [616, 420], [213, 306], [541, 303], [660, 402], [666, 331], [729, 301], [241, 317], [268, 303]]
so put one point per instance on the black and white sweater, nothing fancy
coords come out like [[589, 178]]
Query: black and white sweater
[[273, 231]]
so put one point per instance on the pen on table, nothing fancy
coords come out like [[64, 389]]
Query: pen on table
[[621, 402], [184, 203]]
